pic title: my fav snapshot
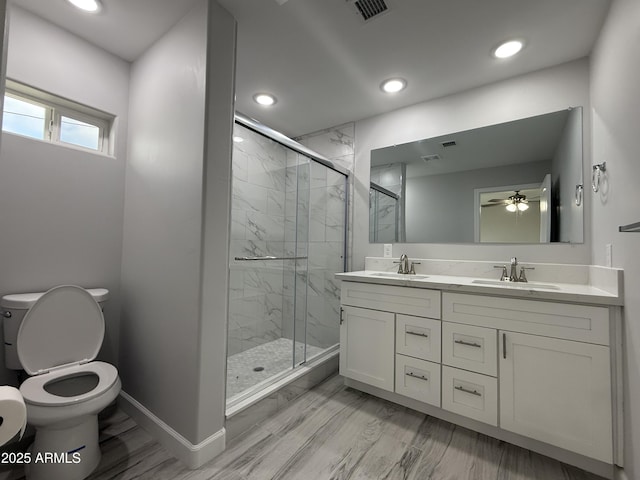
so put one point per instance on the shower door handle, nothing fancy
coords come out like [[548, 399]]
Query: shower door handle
[[341, 312], [269, 257]]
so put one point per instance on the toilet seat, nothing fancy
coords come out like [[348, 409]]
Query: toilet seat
[[34, 393], [64, 327]]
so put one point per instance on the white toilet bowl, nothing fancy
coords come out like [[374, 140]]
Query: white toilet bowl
[[63, 406], [59, 337]]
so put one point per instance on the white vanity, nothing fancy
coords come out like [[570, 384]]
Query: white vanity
[[537, 364]]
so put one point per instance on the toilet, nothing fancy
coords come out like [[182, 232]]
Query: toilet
[[55, 337]]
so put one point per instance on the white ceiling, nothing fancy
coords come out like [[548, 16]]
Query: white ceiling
[[125, 28], [325, 65]]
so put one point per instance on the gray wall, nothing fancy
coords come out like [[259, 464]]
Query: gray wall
[[172, 347], [615, 96], [566, 174], [431, 199], [536, 93], [62, 208], [216, 221]]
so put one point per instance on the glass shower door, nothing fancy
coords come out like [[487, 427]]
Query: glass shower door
[[287, 243], [327, 220]]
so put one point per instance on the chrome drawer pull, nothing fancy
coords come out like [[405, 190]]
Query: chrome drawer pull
[[472, 392], [468, 344], [417, 334], [419, 377]]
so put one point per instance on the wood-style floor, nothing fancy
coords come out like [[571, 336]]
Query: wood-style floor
[[335, 433]]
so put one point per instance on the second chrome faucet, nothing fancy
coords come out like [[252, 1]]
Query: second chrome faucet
[[404, 265], [513, 276]]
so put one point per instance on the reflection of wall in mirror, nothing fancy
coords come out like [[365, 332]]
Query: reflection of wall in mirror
[[499, 225], [566, 173], [454, 192]]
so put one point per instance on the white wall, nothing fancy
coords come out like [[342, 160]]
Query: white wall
[[164, 342], [62, 209], [532, 94], [615, 102]]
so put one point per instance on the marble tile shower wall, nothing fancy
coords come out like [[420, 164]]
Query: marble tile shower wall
[[257, 229], [327, 197]]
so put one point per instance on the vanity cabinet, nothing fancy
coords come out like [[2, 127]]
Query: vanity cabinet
[[536, 368]]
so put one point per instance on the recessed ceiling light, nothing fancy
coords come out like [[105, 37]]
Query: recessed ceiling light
[[393, 85], [92, 6], [238, 139], [265, 99], [508, 49]]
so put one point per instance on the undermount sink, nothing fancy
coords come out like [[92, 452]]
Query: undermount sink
[[403, 276], [525, 285]]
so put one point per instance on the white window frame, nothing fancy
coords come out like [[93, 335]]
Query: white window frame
[[58, 107]]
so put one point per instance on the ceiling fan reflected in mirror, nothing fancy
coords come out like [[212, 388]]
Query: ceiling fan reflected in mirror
[[514, 203]]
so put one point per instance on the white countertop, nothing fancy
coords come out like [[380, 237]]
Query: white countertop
[[566, 292]]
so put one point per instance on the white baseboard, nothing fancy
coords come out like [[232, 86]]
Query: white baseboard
[[620, 475], [193, 456]]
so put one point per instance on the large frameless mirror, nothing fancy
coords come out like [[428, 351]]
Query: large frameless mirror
[[514, 182]]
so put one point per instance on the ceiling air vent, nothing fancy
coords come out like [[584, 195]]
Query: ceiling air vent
[[430, 157], [368, 9], [450, 143]]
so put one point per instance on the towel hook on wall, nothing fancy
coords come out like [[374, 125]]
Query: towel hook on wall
[[578, 194], [596, 174]]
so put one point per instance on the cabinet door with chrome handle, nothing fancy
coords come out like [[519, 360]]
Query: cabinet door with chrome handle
[[557, 391], [366, 346]]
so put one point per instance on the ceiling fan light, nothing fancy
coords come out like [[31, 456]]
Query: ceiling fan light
[[512, 207], [522, 206]]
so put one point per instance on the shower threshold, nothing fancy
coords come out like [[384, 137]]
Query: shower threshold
[[252, 395]]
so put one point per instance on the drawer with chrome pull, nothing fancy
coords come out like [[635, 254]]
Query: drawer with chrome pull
[[470, 348], [418, 337], [418, 379], [470, 394]]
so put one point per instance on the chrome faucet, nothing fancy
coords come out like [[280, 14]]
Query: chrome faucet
[[513, 276], [404, 267], [404, 264]]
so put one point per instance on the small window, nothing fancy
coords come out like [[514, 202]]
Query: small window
[[77, 132], [24, 117], [36, 114]]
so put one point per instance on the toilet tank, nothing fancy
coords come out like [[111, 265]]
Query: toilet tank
[[14, 307]]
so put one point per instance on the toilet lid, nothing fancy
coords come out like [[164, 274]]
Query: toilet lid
[[65, 326]]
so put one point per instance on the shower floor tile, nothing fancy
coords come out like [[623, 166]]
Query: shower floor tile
[[272, 357]]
